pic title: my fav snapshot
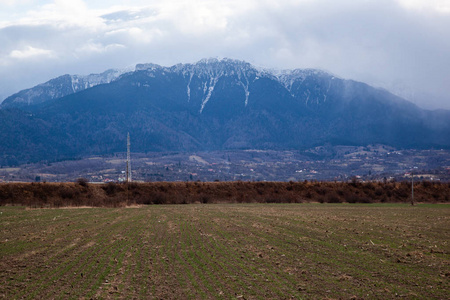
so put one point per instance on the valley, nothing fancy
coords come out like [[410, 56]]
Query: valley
[[326, 163]]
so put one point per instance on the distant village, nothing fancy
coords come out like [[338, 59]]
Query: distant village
[[326, 163]]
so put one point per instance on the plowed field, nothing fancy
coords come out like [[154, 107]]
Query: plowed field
[[248, 251]]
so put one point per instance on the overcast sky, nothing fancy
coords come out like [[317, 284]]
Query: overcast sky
[[401, 45]]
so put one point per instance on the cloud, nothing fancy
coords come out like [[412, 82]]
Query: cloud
[[440, 6], [97, 48], [14, 2], [30, 52], [402, 45]]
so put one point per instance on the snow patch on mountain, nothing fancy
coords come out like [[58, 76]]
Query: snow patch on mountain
[[212, 84], [289, 77], [212, 69], [188, 89], [80, 83], [61, 86]]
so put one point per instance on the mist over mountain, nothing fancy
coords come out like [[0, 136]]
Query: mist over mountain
[[210, 105]]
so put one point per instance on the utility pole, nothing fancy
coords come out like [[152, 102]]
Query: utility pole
[[128, 159], [412, 187]]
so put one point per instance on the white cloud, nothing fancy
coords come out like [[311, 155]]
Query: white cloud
[[441, 6], [31, 52], [14, 2], [97, 48]]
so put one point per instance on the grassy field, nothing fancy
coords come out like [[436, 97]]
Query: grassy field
[[229, 251]]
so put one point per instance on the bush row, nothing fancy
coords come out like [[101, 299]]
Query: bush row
[[119, 195]]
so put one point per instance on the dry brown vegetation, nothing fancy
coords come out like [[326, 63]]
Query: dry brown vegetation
[[119, 195]]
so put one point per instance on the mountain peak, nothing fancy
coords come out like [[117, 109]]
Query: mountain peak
[[224, 66], [59, 87], [148, 66], [225, 61]]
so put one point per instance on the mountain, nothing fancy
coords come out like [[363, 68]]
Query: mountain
[[59, 87], [216, 105]]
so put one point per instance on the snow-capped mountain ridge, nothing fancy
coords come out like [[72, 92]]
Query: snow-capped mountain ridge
[[207, 73], [210, 71], [80, 82], [310, 87], [289, 77], [59, 87]]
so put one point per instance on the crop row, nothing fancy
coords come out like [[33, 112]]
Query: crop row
[[227, 251]]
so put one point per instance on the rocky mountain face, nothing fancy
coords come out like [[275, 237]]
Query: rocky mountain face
[[58, 87], [214, 105]]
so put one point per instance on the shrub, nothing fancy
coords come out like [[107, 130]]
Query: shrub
[[205, 199], [114, 194], [66, 192], [333, 198], [111, 188], [379, 191], [83, 182], [426, 184], [158, 198], [321, 191], [352, 199]]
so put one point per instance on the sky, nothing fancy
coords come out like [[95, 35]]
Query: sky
[[399, 45]]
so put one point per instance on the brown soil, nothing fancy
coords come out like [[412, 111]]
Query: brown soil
[[247, 251]]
